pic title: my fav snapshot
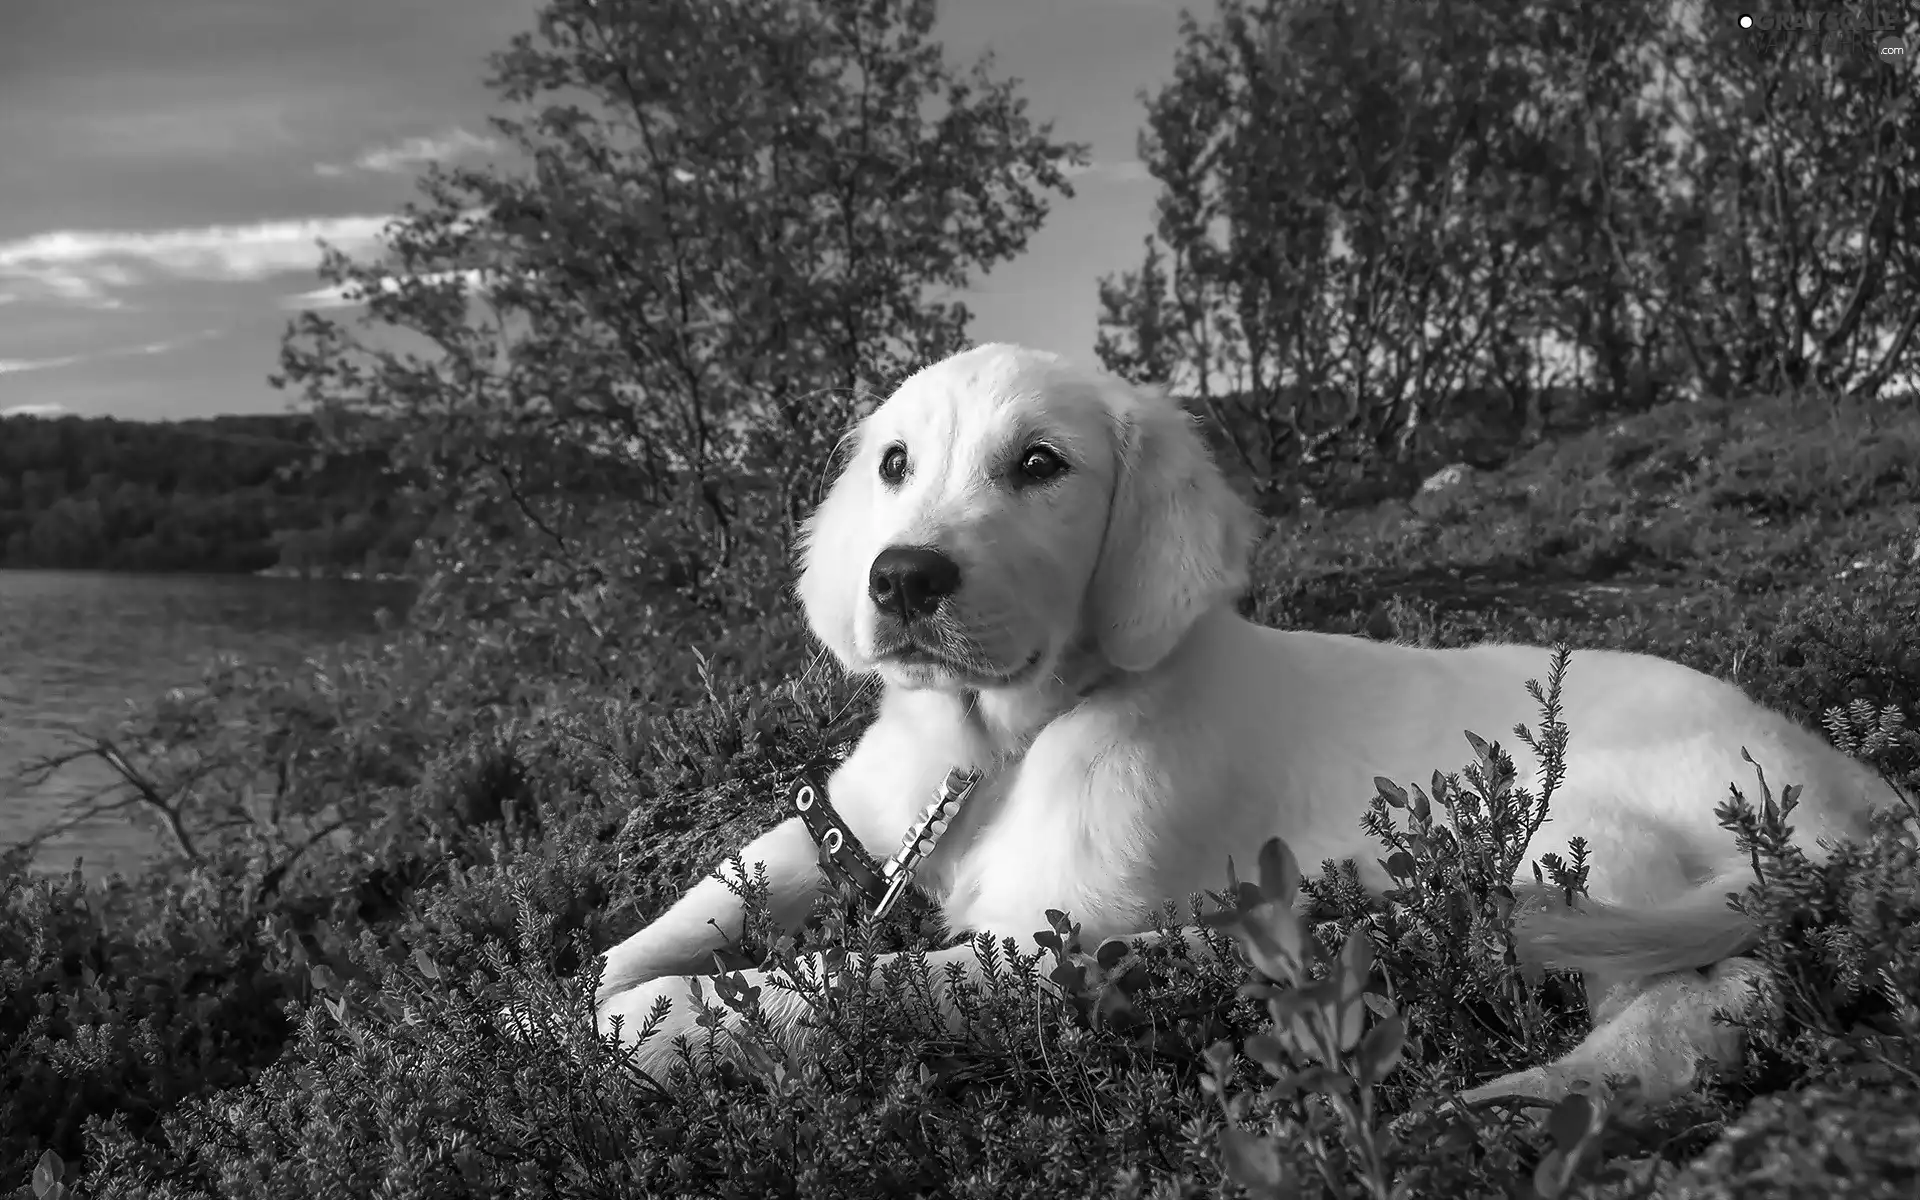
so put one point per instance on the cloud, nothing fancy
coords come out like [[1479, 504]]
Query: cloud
[[350, 295], [16, 366], [164, 347], [87, 266], [34, 410], [410, 154]]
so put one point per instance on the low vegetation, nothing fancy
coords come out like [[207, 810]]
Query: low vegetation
[[326, 1030], [603, 685]]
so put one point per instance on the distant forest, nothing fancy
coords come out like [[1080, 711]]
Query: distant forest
[[238, 493]]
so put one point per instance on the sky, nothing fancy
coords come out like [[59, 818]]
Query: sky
[[169, 164]]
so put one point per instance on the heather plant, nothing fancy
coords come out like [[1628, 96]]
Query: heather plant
[[428, 768], [1838, 933], [1451, 1003], [121, 999], [1452, 920]]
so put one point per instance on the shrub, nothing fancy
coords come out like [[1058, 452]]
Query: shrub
[[396, 1076], [126, 1000]]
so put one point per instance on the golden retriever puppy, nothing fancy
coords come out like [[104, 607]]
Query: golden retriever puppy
[[1041, 566]]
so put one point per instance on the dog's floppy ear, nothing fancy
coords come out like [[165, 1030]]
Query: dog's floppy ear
[[1177, 535], [829, 549]]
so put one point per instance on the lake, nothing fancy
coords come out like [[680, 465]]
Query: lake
[[77, 646]]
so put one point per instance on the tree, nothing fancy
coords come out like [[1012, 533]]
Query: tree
[[1139, 322], [208, 495], [1378, 213], [1322, 165], [1792, 255], [731, 221]]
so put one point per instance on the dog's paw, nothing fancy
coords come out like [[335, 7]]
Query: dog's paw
[[630, 1013], [695, 1010], [625, 1013]]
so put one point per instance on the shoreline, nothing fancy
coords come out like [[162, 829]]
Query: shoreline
[[325, 576], [274, 572]]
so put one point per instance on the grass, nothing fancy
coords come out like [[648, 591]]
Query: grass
[[198, 1034]]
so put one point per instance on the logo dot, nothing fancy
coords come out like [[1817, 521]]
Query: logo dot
[[1746, 22]]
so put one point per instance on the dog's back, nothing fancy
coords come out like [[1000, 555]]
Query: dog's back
[[1654, 747]]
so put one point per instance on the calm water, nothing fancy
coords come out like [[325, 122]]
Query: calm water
[[76, 647]]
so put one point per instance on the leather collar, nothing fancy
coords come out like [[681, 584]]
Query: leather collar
[[843, 860], [846, 863]]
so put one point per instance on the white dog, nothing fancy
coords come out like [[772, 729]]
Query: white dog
[[1041, 565]]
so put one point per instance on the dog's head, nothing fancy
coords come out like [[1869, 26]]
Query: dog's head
[[1003, 507]]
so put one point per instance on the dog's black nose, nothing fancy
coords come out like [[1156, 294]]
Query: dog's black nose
[[910, 581]]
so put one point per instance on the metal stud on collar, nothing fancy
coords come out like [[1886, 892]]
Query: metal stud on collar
[[923, 835]]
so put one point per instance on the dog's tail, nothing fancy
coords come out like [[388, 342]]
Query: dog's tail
[[1694, 930]]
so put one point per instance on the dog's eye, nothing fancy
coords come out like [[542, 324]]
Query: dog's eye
[[893, 464], [1039, 464]]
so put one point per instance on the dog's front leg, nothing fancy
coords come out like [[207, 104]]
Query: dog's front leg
[[876, 791], [782, 1007], [681, 941]]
